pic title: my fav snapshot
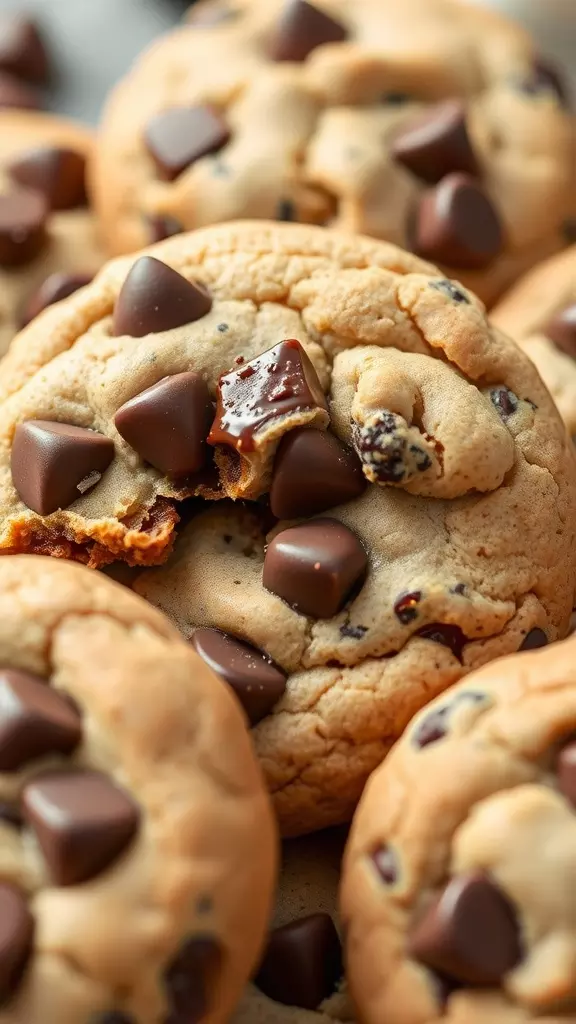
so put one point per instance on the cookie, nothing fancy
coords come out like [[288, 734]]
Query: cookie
[[457, 879], [137, 843], [540, 313], [48, 239], [427, 124], [300, 978]]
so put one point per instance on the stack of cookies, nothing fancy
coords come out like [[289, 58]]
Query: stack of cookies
[[277, 495]]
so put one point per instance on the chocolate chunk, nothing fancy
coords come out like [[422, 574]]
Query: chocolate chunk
[[58, 174], [191, 978], [167, 424], [561, 329], [504, 401], [178, 137], [53, 289], [469, 932], [406, 606], [53, 464], [566, 772], [534, 639], [82, 821], [313, 471], [457, 224], [315, 567], [437, 143], [386, 863], [162, 227], [256, 680], [286, 211], [301, 28], [156, 298], [436, 724], [35, 720], [16, 936], [445, 634], [15, 94], [23, 216], [281, 381], [22, 51], [451, 290], [302, 964]]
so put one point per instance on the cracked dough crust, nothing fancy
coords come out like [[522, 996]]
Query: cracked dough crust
[[482, 798], [157, 721]]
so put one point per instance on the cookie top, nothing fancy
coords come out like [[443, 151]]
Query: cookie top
[[458, 876], [540, 313], [137, 843], [48, 240], [287, 110]]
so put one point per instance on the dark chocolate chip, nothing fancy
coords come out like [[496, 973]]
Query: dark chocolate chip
[[167, 424], [58, 174], [315, 567], [386, 863], [301, 28], [286, 210], [313, 471], [16, 937], [445, 634], [16, 95], [162, 227], [53, 464], [256, 680], [22, 50], [406, 606], [469, 932], [282, 380], [23, 216], [534, 639], [178, 137], [35, 721], [566, 772], [450, 289], [561, 329], [437, 143], [504, 401], [53, 289], [546, 78], [436, 724], [191, 979], [302, 964], [156, 298], [457, 224], [82, 820]]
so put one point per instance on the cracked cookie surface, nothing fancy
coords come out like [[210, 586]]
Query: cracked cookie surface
[[48, 241], [540, 314], [137, 846], [282, 109], [457, 881]]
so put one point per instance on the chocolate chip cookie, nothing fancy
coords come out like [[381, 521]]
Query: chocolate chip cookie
[[48, 239], [458, 879], [428, 123], [137, 842], [540, 313]]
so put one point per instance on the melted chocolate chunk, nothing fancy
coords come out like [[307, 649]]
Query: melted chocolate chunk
[[386, 863], [406, 606], [450, 289], [504, 401], [353, 632], [256, 680], [303, 27], [279, 382], [435, 725], [302, 964], [191, 978], [457, 224], [437, 143]]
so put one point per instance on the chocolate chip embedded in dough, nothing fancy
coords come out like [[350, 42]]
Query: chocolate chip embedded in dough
[[313, 471], [156, 298], [53, 289], [23, 216], [445, 634], [22, 50], [315, 567], [53, 464], [177, 137], [35, 721], [385, 861], [435, 724], [437, 143], [504, 401], [191, 978], [16, 937], [301, 28], [16, 95], [448, 288], [302, 963], [82, 820], [58, 174], [167, 424], [457, 224], [406, 606], [534, 639], [469, 932], [163, 226], [257, 682], [281, 381], [561, 329]]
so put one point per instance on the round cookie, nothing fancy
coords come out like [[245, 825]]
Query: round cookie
[[540, 313], [286, 110], [458, 878], [48, 240], [302, 965], [138, 849]]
